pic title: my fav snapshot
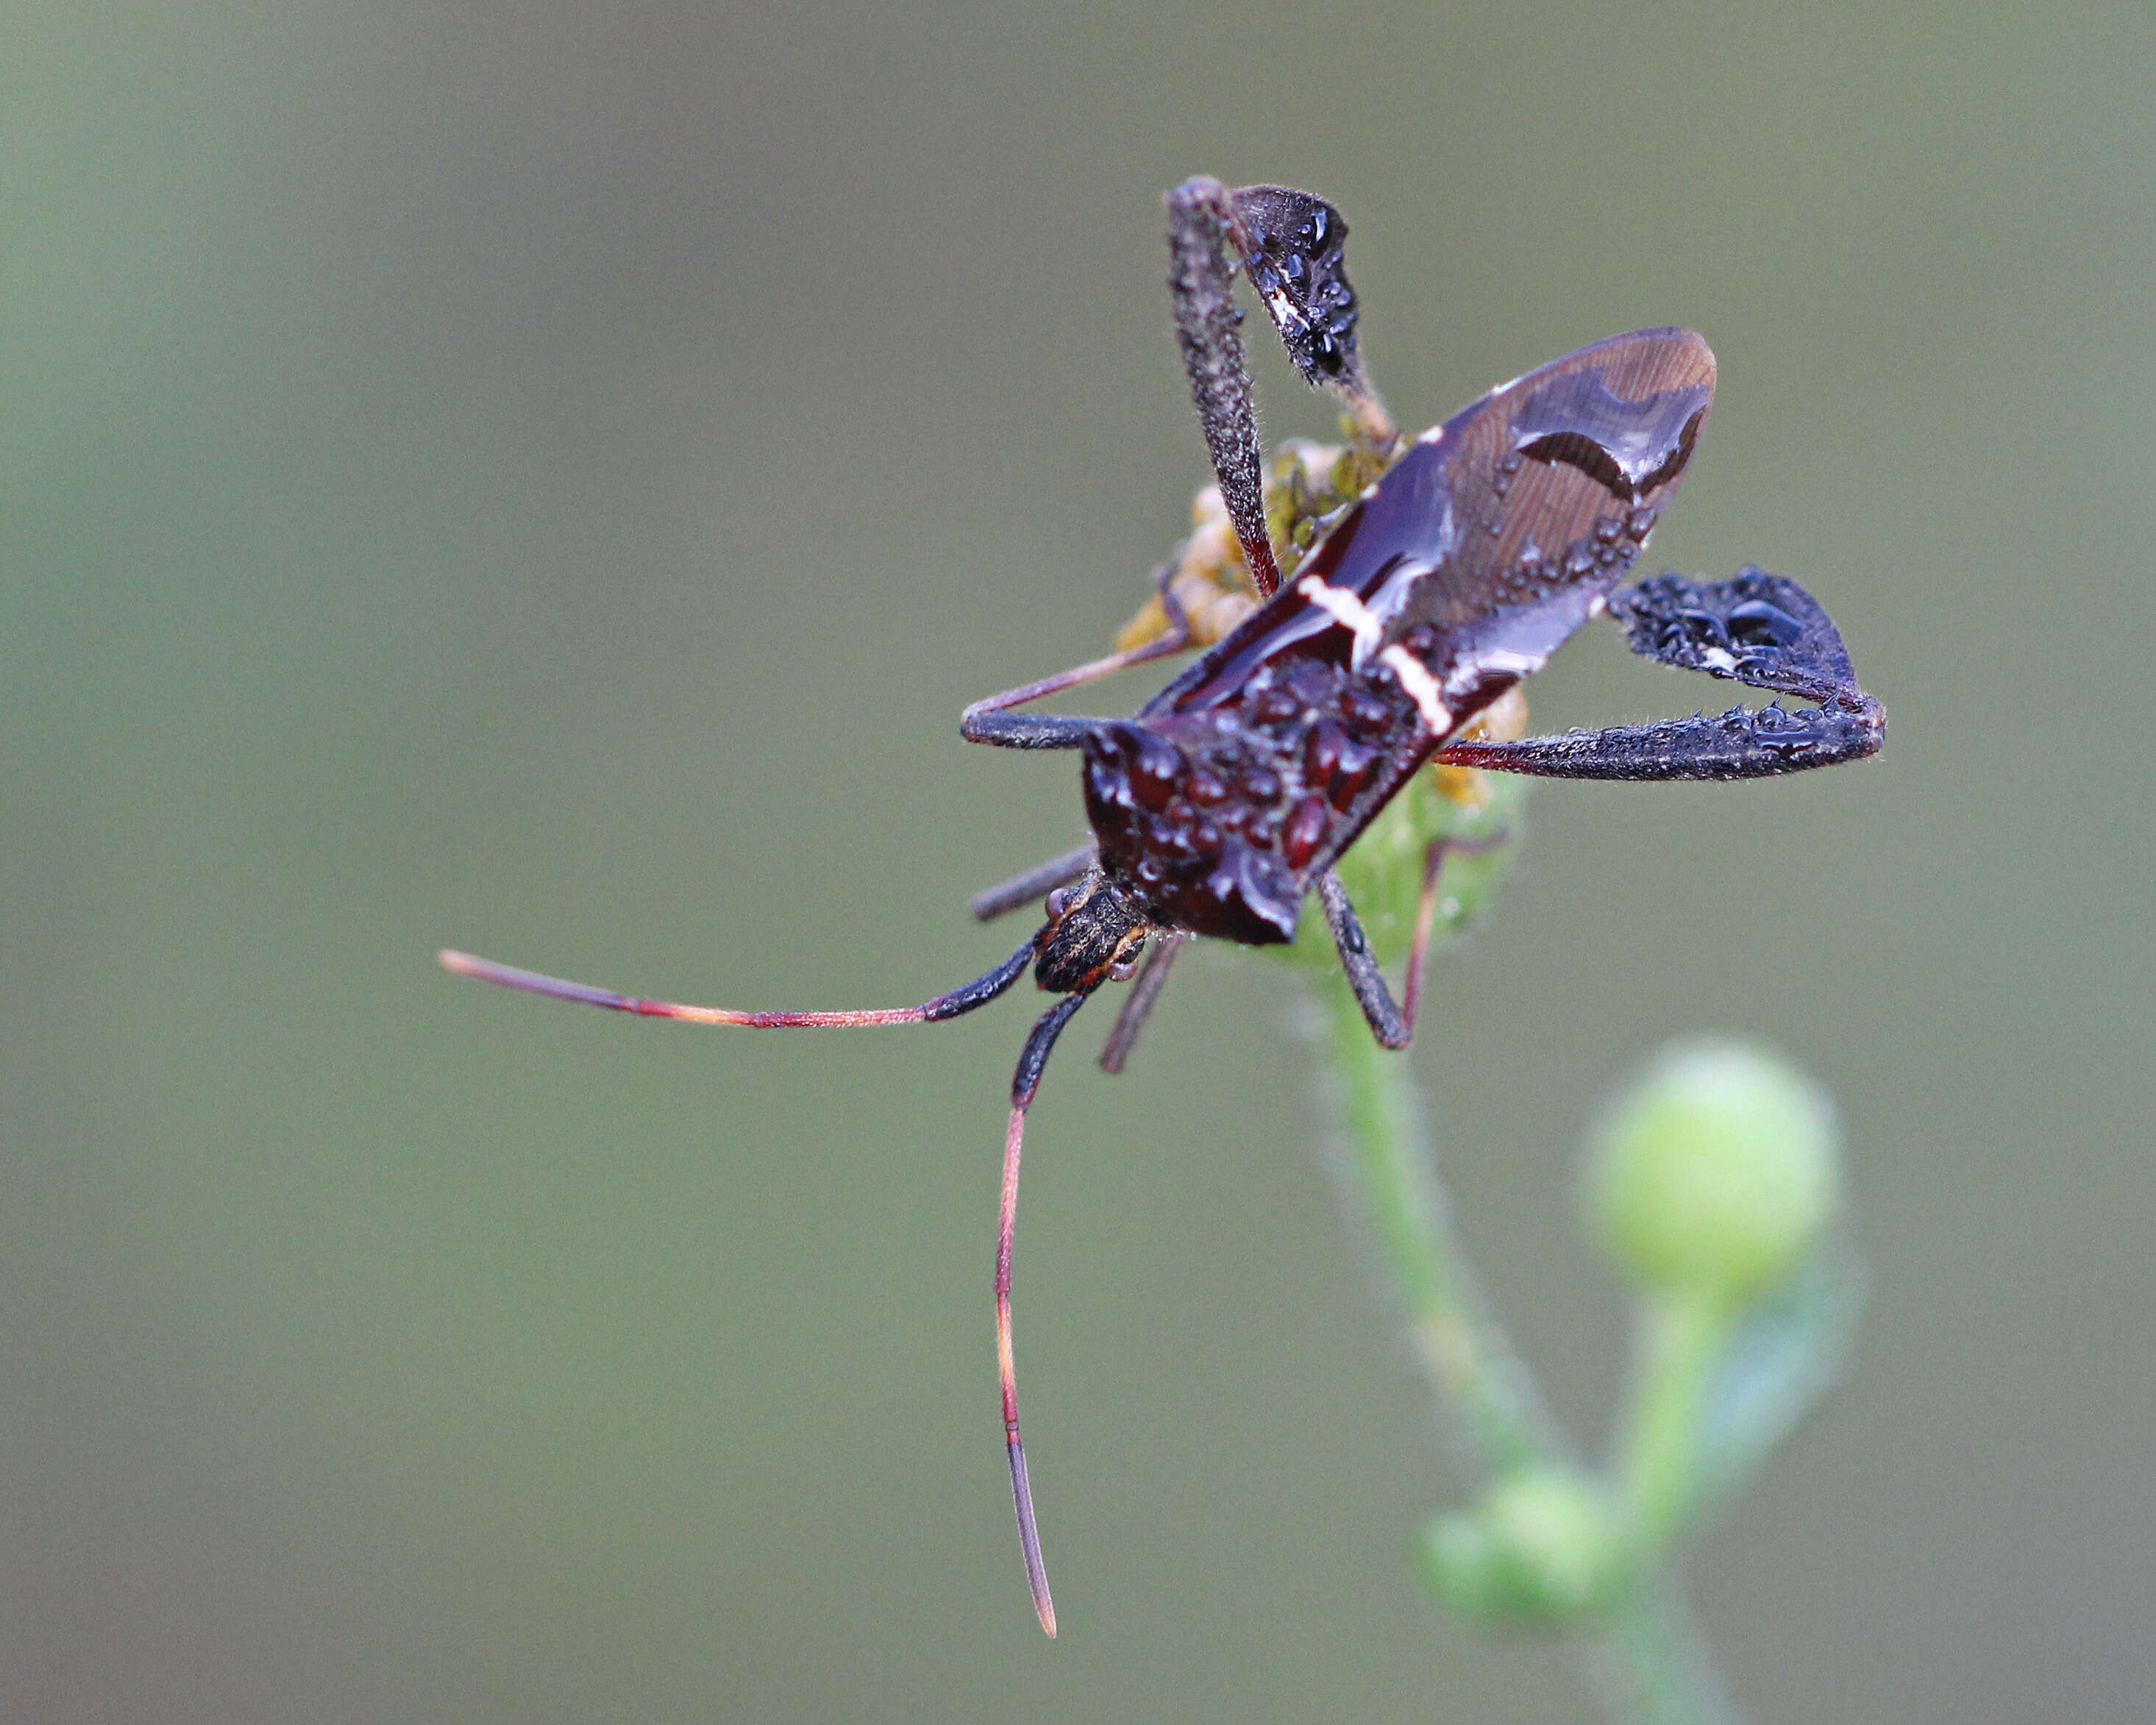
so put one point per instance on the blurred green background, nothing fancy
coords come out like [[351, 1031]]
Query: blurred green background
[[546, 478]]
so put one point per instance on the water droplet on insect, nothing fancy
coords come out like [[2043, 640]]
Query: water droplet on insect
[[1306, 828]]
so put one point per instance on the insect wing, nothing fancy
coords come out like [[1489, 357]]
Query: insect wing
[[1504, 528], [1549, 487]]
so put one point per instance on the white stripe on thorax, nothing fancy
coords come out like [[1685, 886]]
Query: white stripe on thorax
[[1419, 685], [1348, 611]]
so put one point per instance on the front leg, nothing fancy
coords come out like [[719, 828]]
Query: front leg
[[1043, 878], [985, 722], [1138, 1003]]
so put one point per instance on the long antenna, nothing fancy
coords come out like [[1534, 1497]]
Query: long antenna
[[1024, 1083], [977, 993]]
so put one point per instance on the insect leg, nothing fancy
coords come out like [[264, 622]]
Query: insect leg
[[1738, 744], [1025, 1083], [1202, 226], [1391, 1027], [991, 722], [1022, 889], [1761, 629], [1290, 244], [1023, 730], [1433, 866], [1137, 1005], [1758, 629]]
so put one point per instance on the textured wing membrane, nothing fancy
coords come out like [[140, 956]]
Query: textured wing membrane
[[1553, 483]]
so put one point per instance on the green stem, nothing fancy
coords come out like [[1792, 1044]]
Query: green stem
[[1652, 1666], [1682, 1337], [1483, 1383]]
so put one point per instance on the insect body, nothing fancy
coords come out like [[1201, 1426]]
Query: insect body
[[1481, 550], [1223, 803]]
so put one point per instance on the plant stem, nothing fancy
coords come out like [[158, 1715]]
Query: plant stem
[[1651, 1664], [1484, 1387], [1681, 1336]]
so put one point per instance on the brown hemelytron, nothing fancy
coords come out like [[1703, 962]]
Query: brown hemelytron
[[1474, 552]]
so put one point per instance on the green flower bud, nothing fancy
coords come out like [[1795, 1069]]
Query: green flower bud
[[1716, 1174], [1541, 1544], [1458, 1563]]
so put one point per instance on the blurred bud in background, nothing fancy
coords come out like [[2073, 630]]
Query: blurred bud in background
[[1542, 1544], [1715, 1174]]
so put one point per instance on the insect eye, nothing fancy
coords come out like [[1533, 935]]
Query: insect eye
[[1059, 901]]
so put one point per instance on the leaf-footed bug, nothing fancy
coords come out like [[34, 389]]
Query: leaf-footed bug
[[1461, 562]]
